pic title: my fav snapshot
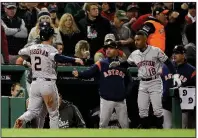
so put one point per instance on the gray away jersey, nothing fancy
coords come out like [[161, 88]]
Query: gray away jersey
[[42, 60], [149, 62]]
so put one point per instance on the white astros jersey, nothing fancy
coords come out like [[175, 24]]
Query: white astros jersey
[[42, 60], [149, 62]]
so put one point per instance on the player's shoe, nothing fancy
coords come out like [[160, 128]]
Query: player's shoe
[[18, 123]]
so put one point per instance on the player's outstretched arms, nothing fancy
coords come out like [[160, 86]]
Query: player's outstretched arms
[[89, 73], [65, 59], [123, 64]]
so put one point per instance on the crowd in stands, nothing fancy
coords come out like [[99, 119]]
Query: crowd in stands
[[81, 27]]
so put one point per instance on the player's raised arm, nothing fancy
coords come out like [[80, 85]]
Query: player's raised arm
[[90, 72]]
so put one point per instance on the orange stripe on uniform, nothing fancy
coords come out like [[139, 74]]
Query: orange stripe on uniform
[[98, 64], [193, 74]]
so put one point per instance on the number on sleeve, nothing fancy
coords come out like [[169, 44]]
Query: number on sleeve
[[37, 64]]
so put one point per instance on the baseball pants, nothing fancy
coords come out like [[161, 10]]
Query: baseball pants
[[43, 97], [39, 121], [150, 91], [106, 110]]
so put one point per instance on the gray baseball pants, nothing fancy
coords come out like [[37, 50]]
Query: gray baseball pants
[[106, 110], [150, 91], [43, 97]]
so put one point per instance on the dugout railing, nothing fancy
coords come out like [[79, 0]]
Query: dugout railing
[[12, 108]]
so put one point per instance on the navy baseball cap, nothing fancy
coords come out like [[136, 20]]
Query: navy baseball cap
[[52, 8], [179, 49]]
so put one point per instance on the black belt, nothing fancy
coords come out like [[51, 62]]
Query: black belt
[[149, 79], [47, 79]]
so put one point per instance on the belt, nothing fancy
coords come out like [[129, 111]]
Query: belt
[[47, 79], [149, 79]]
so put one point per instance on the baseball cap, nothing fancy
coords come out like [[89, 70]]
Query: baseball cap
[[109, 37], [10, 5], [111, 44], [179, 49], [52, 8], [132, 7], [159, 10], [121, 15]]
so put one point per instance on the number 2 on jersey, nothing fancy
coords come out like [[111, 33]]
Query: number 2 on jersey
[[152, 71], [37, 64]]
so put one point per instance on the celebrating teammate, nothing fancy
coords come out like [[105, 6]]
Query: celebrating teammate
[[43, 87], [149, 61], [112, 87], [187, 75]]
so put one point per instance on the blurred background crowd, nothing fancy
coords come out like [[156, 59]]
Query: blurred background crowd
[[83, 28]]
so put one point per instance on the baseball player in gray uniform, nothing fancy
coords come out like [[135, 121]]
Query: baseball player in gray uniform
[[43, 91], [149, 61]]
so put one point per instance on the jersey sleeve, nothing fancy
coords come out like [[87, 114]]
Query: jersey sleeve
[[130, 59], [24, 52], [161, 55], [53, 52]]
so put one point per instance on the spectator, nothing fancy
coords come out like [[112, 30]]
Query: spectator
[[15, 31], [101, 54], [132, 13], [168, 5], [191, 17], [17, 90], [59, 47], [172, 30], [53, 10], [4, 47], [94, 27], [121, 6], [191, 46], [31, 15], [70, 34], [43, 16], [21, 10], [75, 9], [108, 10], [154, 28], [140, 21], [122, 32], [69, 115], [82, 50]]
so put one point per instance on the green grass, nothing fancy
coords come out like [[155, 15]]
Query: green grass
[[98, 133]]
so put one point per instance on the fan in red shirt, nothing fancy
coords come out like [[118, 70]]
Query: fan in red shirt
[[108, 10], [140, 21]]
